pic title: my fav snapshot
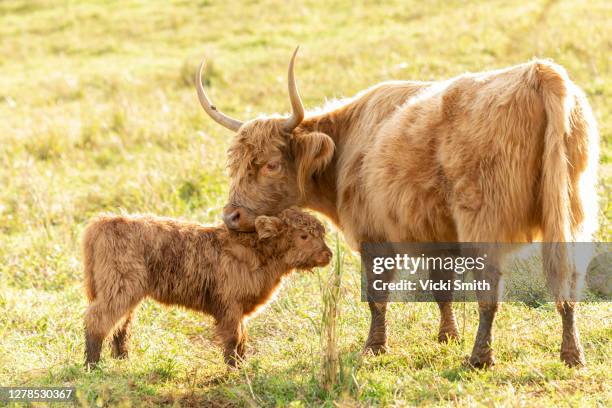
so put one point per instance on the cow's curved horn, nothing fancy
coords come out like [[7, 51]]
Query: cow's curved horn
[[218, 116], [294, 96]]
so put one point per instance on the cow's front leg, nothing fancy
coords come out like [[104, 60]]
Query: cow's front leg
[[448, 324], [377, 338], [377, 301]]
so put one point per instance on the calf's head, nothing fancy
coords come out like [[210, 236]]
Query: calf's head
[[300, 236], [270, 160]]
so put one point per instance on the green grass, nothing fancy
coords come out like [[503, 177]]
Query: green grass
[[98, 113]]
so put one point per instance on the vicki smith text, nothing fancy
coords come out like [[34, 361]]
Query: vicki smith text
[[429, 285]]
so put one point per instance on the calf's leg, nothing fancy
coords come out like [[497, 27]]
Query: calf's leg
[[241, 346], [119, 345], [231, 332], [100, 318]]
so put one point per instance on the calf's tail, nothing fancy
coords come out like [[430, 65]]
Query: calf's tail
[[89, 238]]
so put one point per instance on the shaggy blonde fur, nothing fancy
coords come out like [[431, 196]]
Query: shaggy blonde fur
[[228, 275], [501, 156]]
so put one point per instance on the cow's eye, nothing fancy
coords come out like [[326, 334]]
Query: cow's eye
[[273, 166], [304, 237]]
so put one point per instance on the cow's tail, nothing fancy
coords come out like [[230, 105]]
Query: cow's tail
[[552, 81]]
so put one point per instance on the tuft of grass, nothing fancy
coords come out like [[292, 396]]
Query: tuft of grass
[[330, 295]]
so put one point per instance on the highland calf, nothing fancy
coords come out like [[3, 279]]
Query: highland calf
[[228, 275]]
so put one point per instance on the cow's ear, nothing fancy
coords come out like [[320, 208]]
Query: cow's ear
[[268, 227], [312, 152]]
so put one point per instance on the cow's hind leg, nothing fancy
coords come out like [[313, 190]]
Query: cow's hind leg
[[572, 353], [559, 257], [488, 300], [488, 305]]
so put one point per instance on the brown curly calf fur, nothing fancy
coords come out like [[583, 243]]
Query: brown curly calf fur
[[228, 275]]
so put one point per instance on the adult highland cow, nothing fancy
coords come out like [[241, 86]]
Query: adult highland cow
[[501, 156]]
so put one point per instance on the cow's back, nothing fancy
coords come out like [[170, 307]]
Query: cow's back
[[470, 145]]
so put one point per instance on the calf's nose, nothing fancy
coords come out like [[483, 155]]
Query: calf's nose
[[325, 256]]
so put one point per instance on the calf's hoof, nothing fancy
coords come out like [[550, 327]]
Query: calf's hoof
[[573, 358], [233, 361], [481, 360], [91, 365]]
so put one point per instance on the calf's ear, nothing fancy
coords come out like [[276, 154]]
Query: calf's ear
[[312, 152], [267, 227]]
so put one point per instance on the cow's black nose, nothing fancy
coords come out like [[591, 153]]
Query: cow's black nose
[[232, 218], [238, 218]]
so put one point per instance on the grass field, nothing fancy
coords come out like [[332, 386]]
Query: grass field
[[98, 113]]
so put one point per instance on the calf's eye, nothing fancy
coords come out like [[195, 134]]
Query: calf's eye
[[272, 166], [304, 237]]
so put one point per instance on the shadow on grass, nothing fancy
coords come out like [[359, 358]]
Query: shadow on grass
[[191, 399], [458, 373], [159, 385]]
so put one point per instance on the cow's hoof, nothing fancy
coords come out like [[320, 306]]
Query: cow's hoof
[[480, 362], [375, 349], [444, 336], [573, 359]]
